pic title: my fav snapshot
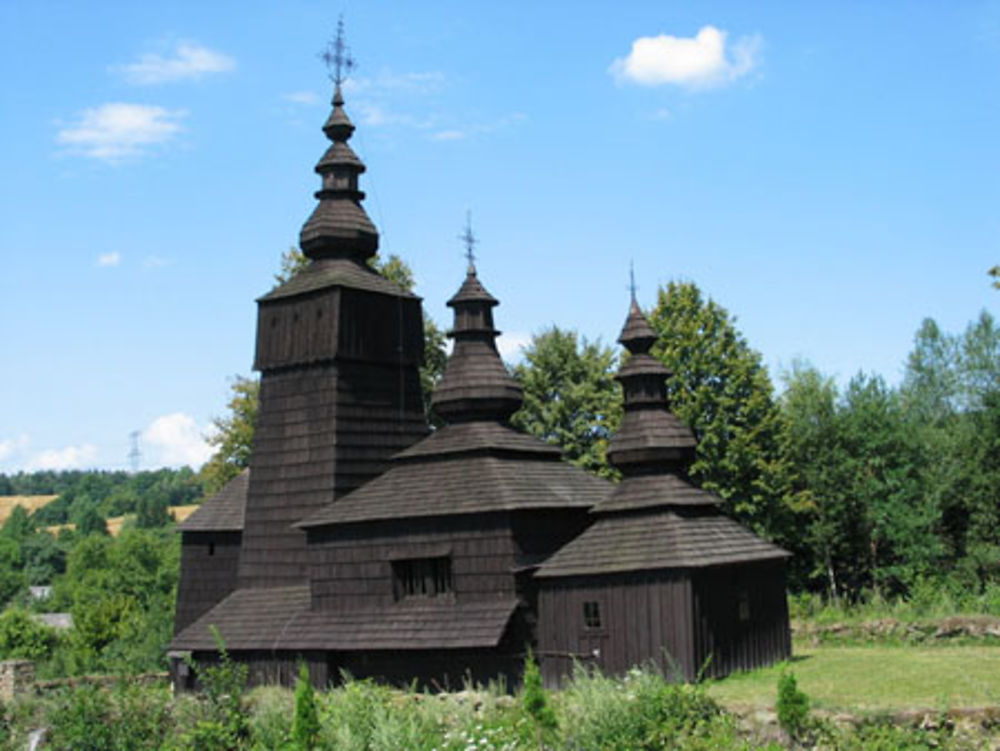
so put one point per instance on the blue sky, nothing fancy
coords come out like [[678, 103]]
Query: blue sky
[[828, 172]]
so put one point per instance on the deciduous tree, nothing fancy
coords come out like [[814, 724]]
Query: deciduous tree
[[571, 398], [720, 387]]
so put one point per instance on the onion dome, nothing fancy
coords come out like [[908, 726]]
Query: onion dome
[[650, 438], [339, 226], [475, 385]]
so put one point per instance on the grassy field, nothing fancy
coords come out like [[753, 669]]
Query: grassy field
[[876, 678]]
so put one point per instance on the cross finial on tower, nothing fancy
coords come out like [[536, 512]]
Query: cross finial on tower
[[470, 242], [337, 56], [631, 280]]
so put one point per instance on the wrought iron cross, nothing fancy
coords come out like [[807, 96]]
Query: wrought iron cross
[[337, 56], [470, 241], [631, 279]]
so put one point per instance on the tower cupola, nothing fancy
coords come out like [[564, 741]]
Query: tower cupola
[[476, 384], [339, 226]]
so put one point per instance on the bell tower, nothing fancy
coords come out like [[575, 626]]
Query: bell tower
[[338, 350]]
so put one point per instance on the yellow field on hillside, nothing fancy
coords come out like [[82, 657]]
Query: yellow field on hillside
[[115, 523], [30, 503]]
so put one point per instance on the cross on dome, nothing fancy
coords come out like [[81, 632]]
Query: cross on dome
[[337, 56]]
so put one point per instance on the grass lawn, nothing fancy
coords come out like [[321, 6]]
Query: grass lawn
[[876, 678]]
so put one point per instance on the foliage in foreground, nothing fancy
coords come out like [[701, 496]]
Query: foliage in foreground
[[640, 712]]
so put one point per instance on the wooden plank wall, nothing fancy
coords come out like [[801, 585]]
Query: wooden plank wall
[[732, 644], [321, 432], [209, 563], [351, 563], [646, 617], [338, 323]]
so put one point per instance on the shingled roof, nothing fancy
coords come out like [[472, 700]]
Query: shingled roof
[[339, 226], [477, 463], [655, 519], [279, 618], [639, 542], [223, 512], [475, 384]]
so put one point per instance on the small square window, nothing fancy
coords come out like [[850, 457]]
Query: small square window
[[591, 614], [744, 607]]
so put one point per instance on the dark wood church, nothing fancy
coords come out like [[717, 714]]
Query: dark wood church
[[361, 540]]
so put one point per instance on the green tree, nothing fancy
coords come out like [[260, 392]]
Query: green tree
[[720, 387], [880, 465], [233, 435], [21, 636], [11, 576], [830, 521], [19, 526], [571, 397]]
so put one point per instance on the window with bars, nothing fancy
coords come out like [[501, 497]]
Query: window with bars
[[422, 577]]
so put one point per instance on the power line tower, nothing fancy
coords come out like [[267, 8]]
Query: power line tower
[[134, 454]]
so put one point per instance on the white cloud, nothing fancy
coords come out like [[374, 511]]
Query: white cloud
[[662, 114], [448, 135], [697, 62], [173, 440], [189, 61], [117, 130], [109, 259], [301, 97], [12, 446], [511, 345], [69, 457]]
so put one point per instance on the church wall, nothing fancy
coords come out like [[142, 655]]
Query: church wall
[[644, 617], [742, 617], [209, 563], [351, 564], [321, 432]]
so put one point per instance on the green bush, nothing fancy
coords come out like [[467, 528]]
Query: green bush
[[535, 703], [792, 706], [305, 725], [269, 720], [21, 636]]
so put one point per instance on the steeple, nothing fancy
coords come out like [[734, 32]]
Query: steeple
[[475, 385], [650, 438], [339, 226]]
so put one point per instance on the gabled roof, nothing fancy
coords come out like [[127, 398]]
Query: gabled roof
[[223, 512], [464, 469], [279, 618], [661, 540]]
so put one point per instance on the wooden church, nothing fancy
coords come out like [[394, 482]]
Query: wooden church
[[360, 540]]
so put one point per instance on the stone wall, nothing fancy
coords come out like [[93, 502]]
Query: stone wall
[[16, 677]]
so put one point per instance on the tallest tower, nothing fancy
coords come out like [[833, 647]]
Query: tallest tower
[[338, 349]]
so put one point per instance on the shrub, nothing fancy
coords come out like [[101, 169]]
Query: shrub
[[305, 726], [792, 707], [23, 637], [535, 702]]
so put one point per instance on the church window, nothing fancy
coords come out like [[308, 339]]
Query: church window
[[591, 614], [744, 606], [422, 577]]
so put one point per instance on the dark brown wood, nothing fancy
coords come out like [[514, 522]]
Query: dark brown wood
[[209, 561], [357, 542]]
